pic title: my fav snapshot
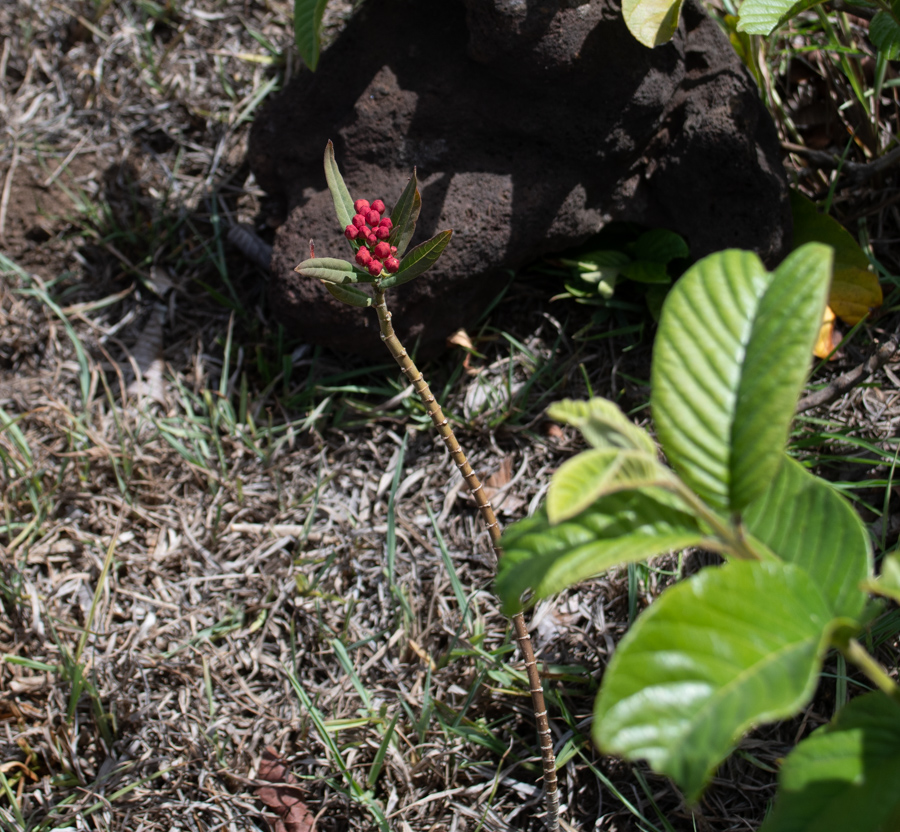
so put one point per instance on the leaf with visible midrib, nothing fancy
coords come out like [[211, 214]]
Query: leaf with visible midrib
[[620, 528], [343, 202], [804, 521], [308, 28], [845, 776], [762, 17], [729, 648], [603, 424], [593, 474], [729, 362], [418, 261], [652, 22], [405, 215], [332, 270]]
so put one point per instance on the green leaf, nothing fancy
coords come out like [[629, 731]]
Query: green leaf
[[811, 226], [594, 260], [727, 649], [621, 528], [603, 424], [661, 246], [746, 48], [405, 215], [844, 777], [308, 29], [888, 582], [419, 260], [332, 270], [762, 17], [349, 295], [804, 521], [644, 271], [729, 362], [885, 34], [343, 202], [655, 297], [593, 474], [652, 22]]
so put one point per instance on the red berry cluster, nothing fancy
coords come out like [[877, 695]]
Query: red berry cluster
[[371, 232]]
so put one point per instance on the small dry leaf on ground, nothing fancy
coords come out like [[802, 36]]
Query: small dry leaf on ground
[[283, 796]]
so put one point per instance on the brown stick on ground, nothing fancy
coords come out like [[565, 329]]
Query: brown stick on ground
[[850, 379], [476, 489]]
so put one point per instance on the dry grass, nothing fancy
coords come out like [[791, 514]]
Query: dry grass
[[216, 539]]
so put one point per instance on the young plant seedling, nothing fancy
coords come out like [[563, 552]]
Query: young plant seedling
[[382, 262], [740, 644]]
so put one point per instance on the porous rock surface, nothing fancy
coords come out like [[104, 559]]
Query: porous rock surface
[[531, 124]]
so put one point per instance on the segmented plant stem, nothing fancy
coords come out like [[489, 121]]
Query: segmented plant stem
[[476, 489]]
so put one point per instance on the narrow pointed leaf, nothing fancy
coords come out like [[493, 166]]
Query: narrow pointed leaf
[[405, 215], [343, 202], [621, 528], [727, 649], [332, 270], [308, 29], [845, 775], [652, 22], [419, 260], [593, 474], [729, 362], [603, 424], [804, 521], [349, 295]]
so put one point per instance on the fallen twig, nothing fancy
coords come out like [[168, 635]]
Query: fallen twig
[[850, 379]]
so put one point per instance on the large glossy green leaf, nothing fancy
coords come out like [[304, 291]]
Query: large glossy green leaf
[[846, 776], [729, 362], [343, 202], [603, 424], [804, 521], [332, 270], [729, 648], [419, 260], [652, 22], [620, 528], [593, 474], [762, 17], [349, 295], [405, 215], [308, 29]]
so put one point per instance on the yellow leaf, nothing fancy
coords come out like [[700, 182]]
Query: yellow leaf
[[652, 22], [854, 293], [825, 342], [854, 289]]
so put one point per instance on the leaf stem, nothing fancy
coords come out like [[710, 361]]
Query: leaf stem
[[854, 652], [476, 489], [731, 536]]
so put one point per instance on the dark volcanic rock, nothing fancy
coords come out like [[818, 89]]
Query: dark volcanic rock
[[532, 123]]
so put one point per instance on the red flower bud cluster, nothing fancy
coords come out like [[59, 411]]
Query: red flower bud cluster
[[371, 231]]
